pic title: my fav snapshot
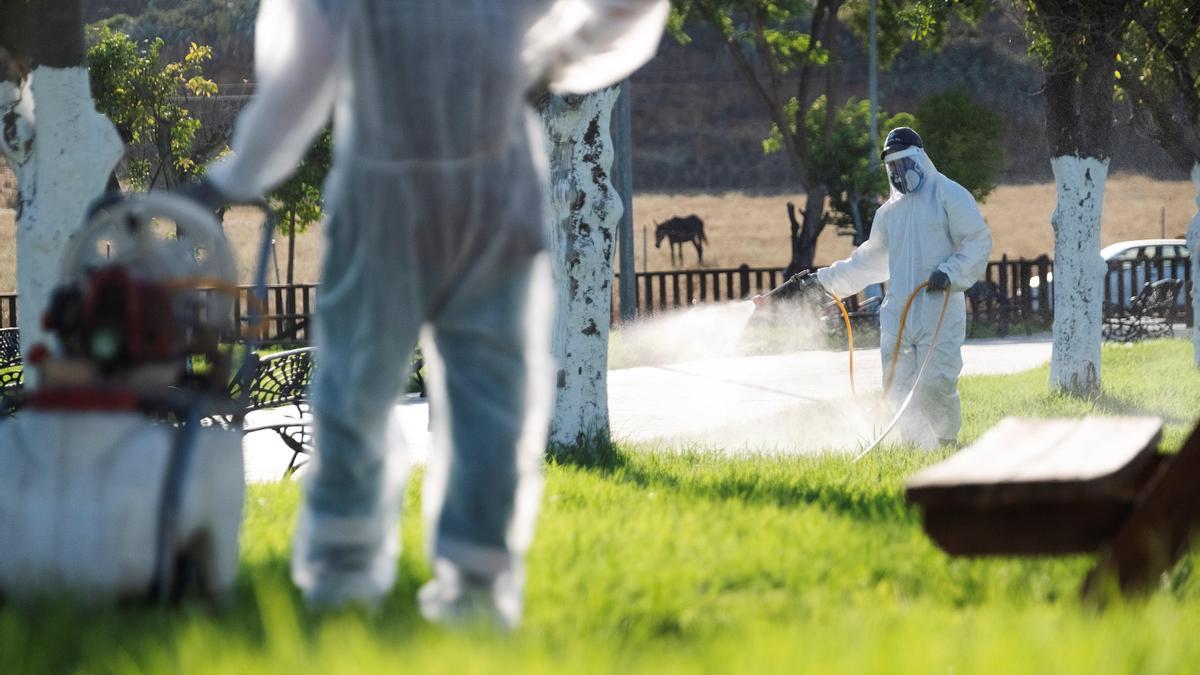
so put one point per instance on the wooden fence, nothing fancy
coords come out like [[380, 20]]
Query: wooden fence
[[287, 314], [1017, 291], [662, 291]]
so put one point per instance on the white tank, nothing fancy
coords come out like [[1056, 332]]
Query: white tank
[[81, 495]]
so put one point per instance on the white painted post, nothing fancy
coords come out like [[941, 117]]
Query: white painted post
[[584, 212], [62, 160], [1193, 239], [1078, 273]]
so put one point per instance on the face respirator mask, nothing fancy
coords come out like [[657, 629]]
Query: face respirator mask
[[905, 174]]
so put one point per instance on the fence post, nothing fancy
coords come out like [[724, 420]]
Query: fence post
[[307, 313], [647, 306], [1026, 272], [237, 315], [1045, 290], [1008, 291]]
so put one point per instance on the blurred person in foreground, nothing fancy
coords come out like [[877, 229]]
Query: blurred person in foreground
[[436, 224], [929, 231]]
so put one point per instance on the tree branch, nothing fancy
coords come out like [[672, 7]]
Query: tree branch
[[1179, 64], [1180, 141], [772, 104], [806, 74]]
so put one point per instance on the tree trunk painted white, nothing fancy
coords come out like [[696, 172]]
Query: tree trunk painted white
[[584, 212], [63, 152], [1193, 239], [1078, 273]]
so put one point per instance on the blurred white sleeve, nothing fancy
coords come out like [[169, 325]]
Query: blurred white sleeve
[[867, 265], [584, 45], [971, 237], [295, 47]]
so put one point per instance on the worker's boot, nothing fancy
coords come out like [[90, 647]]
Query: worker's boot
[[458, 598], [339, 561]]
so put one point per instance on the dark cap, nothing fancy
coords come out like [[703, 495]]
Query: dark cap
[[899, 139]]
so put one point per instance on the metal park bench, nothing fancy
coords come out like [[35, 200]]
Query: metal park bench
[[1057, 487], [988, 300], [280, 380], [1150, 314], [12, 370]]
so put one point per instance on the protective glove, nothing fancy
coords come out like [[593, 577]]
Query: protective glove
[[938, 281]]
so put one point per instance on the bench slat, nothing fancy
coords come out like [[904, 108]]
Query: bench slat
[[1021, 461]]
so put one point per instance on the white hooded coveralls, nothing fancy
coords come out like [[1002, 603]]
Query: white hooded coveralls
[[436, 219], [936, 227]]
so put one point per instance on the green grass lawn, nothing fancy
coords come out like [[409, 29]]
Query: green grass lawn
[[697, 563]]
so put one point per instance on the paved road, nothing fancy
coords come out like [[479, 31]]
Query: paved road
[[758, 400]]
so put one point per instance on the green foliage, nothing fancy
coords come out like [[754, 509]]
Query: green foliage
[[1158, 72], [770, 39], [841, 160], [145, 98], [298, 203], [647, 561], [924, 22], [963, 139], [929, 20], [1162, 47]]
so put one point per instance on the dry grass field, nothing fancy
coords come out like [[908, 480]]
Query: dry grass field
[[754, 229]]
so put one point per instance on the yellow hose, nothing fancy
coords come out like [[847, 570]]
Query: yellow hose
[[899, 334], [887, 382], [849, 339], [896, 357]]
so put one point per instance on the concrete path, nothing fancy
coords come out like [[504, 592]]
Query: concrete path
[[661, 403]]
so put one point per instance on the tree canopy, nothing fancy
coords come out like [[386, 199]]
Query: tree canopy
[[963, 139], [1158, 73], [146, 96], [298, 202], [789, 53]]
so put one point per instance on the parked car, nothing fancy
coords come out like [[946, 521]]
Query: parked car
[[1133, 264]]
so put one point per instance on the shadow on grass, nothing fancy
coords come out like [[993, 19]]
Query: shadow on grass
[[1111, 404], [266, 614], [829, 484]]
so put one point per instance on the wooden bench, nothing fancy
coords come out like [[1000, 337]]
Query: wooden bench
[[1056, 487], [1150, 314]]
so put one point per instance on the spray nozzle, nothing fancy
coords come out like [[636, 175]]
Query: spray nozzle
[[800, 280]]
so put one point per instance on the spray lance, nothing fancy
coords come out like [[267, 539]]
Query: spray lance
[[807, 279]]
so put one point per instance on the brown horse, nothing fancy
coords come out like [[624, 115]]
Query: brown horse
[[680, 231]]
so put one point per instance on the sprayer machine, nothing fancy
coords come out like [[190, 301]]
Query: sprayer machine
[[110, 485]]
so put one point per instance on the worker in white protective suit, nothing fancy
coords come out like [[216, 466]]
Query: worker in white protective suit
[[929, 230], [436, 221]]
